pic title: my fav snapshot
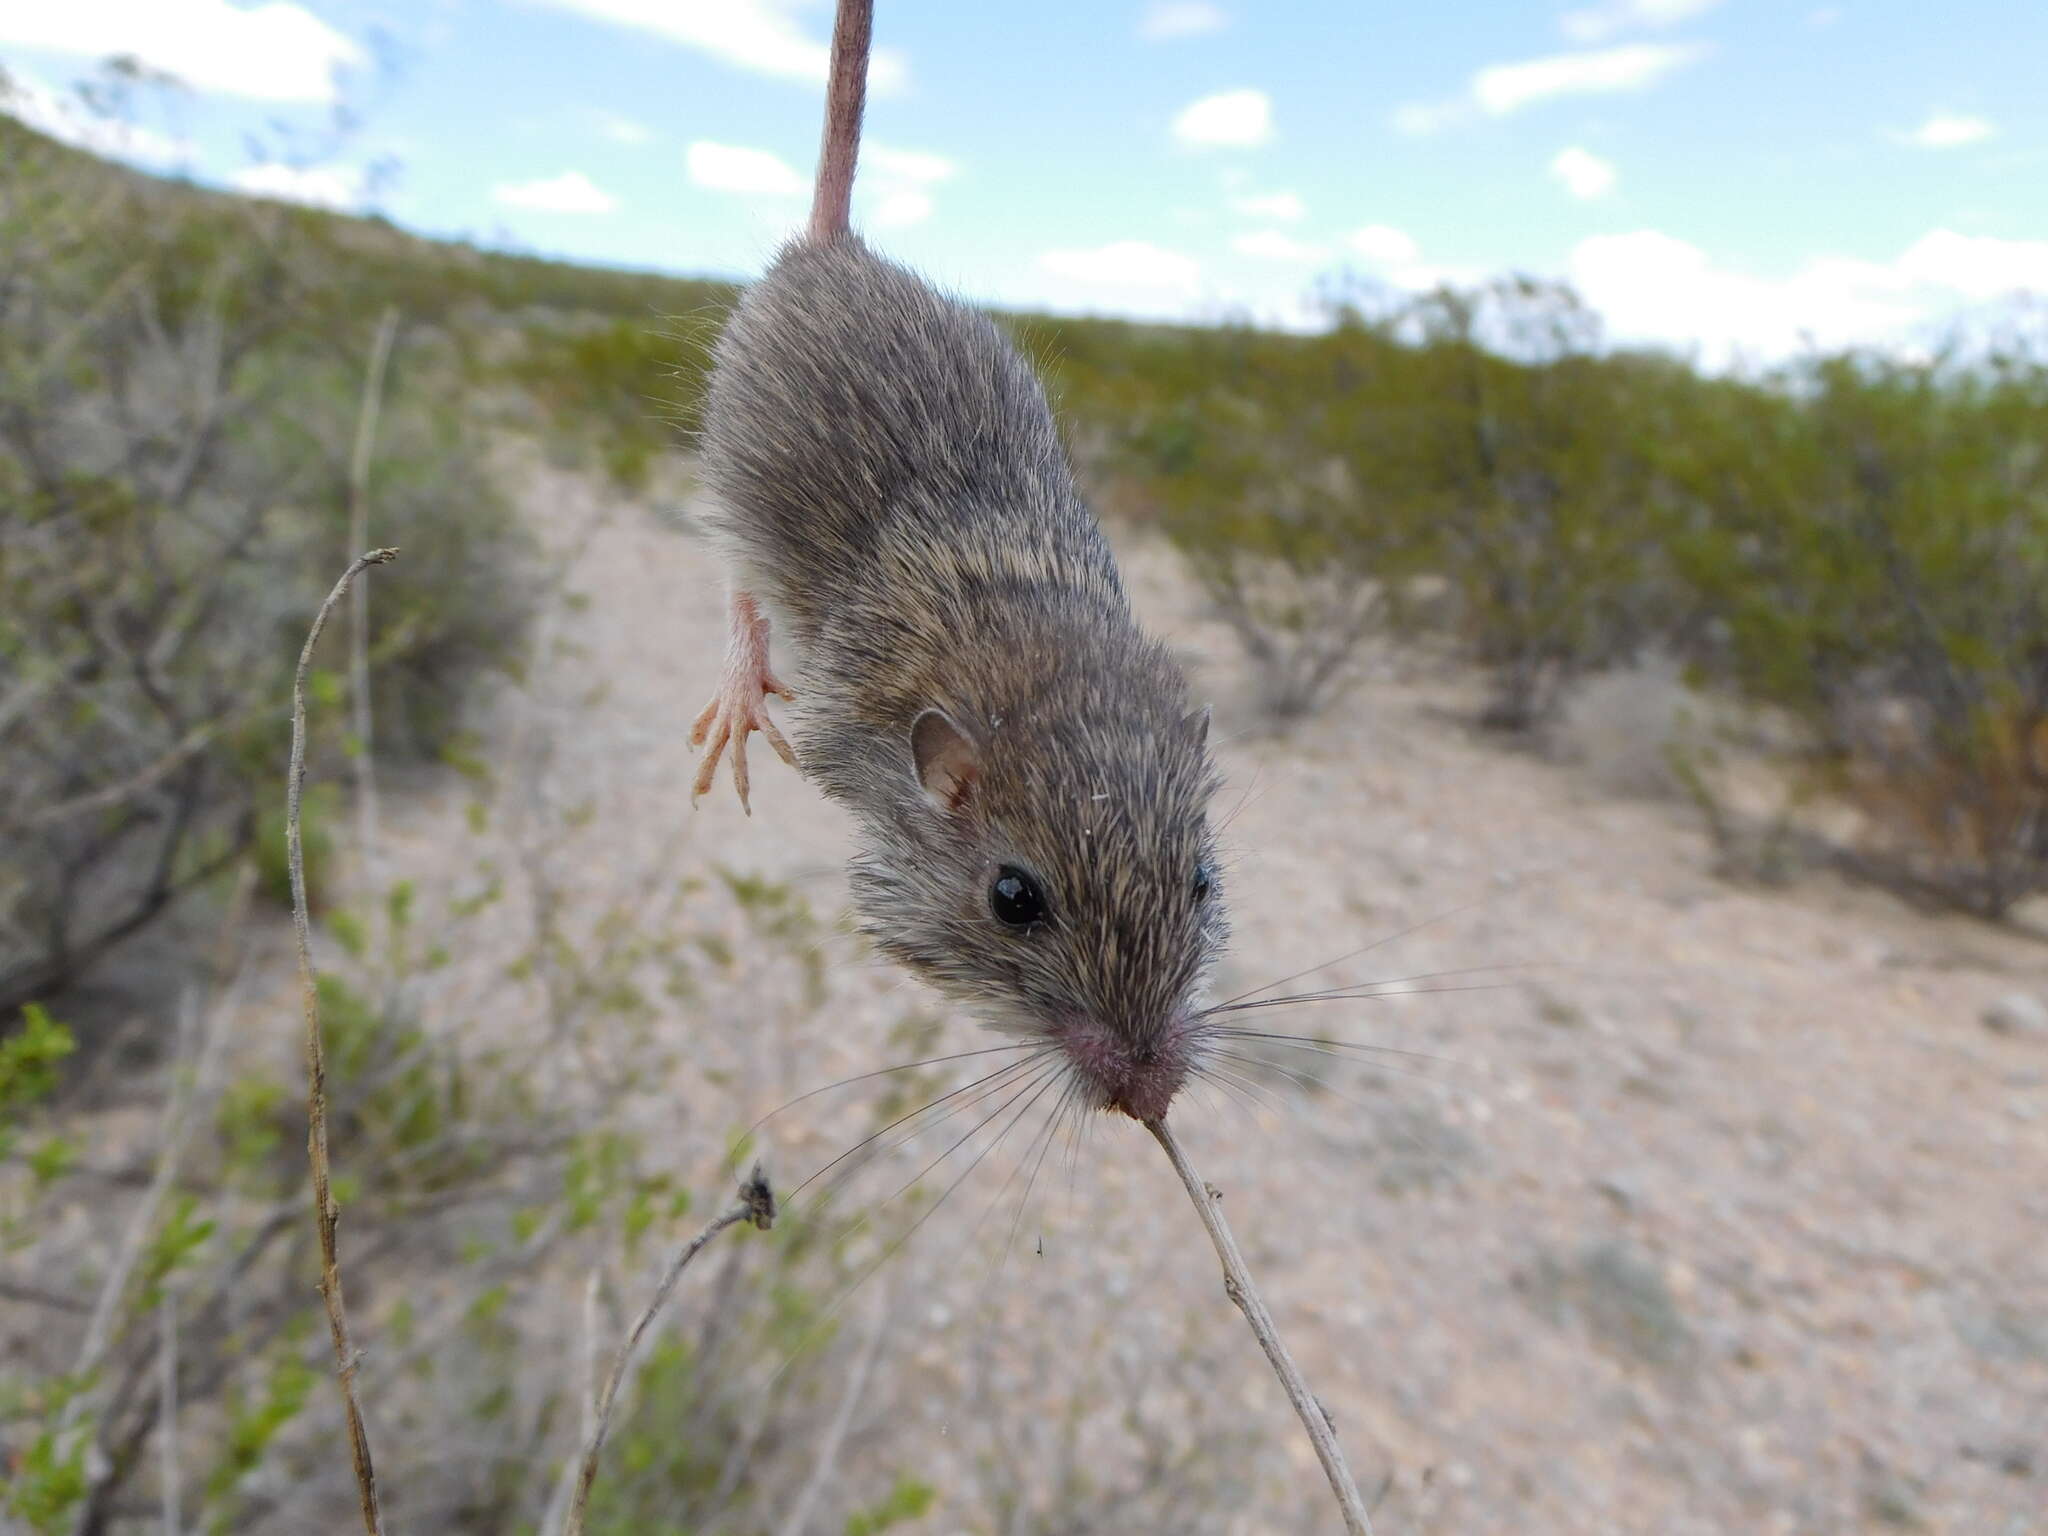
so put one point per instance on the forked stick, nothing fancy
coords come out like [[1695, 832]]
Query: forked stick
[[756, 1204], [325, 1211], [1237, 1284]]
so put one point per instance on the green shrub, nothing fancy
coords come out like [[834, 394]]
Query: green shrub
[[1531, 486], [179, 386], [1245, 450], [1874, 549], [629, 389]]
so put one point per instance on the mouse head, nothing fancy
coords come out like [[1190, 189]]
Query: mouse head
[[1063, 880]]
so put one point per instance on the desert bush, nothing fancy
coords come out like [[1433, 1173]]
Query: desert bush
[[1873, 545], [178, 393], [623, 391], [1531, 486], [1248, 452]]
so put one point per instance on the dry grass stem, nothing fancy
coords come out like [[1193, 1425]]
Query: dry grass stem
[[167, 1410], [1238, 1285], [197, 1034], [325, 1212], [756, 1204], [799, 1518], [586, 1380], [359, 600]]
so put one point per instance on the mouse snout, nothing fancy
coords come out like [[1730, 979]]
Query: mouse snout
[[1136, 1072]]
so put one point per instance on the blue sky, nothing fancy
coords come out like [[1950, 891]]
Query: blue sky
[[1726, 175]]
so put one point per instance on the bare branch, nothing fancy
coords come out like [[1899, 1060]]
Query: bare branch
[[325, 1212], [194, 741], [1238, 1285], [755, 1204]]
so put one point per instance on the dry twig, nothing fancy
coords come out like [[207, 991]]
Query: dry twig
[[755, 1204], [1237, 1284], [325, 1211]]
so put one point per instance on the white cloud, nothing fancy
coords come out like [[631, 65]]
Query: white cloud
[[318, 186], [271, 52], [1584, 174], [1503, 88], [1393, 257], [1275, 245], [1598, 23], [1825, 16], [761, 36], [1946, 130], [893, 184], [1977, 267], [914, 165], [1419, 119], [1384, 246], [570, 192], [1180, 18], [893, 188], [623, 130], [733, 168], [900, 208], [1233, 118], [1285, 206], [1126, 264], [69, 121], [1651, 286]]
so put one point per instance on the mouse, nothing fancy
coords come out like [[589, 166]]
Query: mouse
[[1026, 768]]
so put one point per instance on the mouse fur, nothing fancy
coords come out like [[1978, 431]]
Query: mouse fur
[[889, 483]]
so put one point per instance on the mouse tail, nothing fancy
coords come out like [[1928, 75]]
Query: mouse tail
[[845, 98]]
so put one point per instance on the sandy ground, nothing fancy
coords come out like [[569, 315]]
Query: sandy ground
[[1714, 1210]]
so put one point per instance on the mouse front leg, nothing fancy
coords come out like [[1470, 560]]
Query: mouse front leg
[[739, 705]]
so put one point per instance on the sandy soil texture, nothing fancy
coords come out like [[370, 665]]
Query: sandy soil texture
[[1709, 1209]]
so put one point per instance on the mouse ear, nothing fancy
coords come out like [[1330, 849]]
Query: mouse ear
[[1197, 726], [948, 762]]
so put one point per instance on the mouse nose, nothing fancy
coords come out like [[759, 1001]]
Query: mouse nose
[[1136, 1073]]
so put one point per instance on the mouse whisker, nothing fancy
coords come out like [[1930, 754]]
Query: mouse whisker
[[1035, 1088], [1325, 1043], [1059, 1110], [1374, 1112], [1368, 1055], [1364, 994], [832, 1310], [1042, 1139], [1363, 949], [910, 1115], [1019, 1077], [1037, 1080], [1235, 1090], [1017, 1090], [1370, 988], [862, 1077]]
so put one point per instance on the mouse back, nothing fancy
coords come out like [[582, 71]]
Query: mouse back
[[852, 404]]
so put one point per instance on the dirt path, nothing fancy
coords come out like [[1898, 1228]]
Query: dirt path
[[1725, 1213]]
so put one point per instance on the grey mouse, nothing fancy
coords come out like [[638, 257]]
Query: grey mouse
[[1027, 770]]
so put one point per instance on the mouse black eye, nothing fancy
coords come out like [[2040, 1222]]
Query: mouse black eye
[[1204, 879], [1015, 898]]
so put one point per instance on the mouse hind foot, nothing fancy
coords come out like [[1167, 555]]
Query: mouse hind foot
[[740, 704]]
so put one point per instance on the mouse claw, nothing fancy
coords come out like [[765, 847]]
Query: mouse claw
[[739, 707]]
